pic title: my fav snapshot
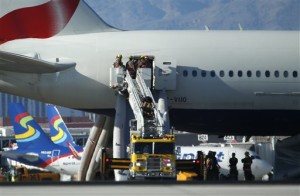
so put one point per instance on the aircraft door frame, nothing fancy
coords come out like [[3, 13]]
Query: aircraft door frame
[[165, 73], [55, 156]]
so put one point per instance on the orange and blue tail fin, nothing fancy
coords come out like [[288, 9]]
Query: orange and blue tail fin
[[27, 131], [58, 130]]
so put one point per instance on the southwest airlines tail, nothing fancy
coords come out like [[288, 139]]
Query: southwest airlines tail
[[45, 19], [35, 147], [27, 130], [58, 131]]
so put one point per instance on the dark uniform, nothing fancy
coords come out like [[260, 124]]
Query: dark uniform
[[147, 62], [233, 172], [215, 166], [144, 62], [247, 161], [211, 166], [147, 107], [118, 63], [141, 62], [208, 166], [130, 66]]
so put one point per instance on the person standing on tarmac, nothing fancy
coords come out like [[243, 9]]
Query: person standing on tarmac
[[13, 174], [208, 166], [247, 162], [233, 172], [6, 174], [215, 166]]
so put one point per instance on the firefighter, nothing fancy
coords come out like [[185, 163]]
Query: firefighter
[[144, 62], [233, 172], [130, 66], [147, 62], [141, 62], [147, 107], [118, 63], [247, 162]]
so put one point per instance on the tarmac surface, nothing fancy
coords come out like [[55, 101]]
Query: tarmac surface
[[161, 188]]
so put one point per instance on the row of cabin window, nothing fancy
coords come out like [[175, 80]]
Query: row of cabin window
[[240, 73]]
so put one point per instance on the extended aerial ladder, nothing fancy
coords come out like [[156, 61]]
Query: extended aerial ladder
[[137, 90]]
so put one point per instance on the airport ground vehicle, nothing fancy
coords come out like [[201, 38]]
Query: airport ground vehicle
[[152, 145], [152, 148], [25, 175], [191, 169], [152, 157]]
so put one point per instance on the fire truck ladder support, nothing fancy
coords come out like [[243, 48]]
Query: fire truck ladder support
[[138, 91], [192, 165]]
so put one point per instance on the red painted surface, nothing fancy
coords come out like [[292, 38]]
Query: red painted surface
[[54, 119], [42, 21], [20, 116]]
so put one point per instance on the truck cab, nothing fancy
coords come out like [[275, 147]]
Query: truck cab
[[152, 157]]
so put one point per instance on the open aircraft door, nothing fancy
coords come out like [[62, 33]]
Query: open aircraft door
[[165, 74]]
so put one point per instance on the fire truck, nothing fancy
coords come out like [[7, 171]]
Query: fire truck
[[152, 157], [152, 143]]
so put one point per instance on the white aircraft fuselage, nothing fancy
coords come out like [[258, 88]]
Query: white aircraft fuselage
[[67, 165], [193, 50], [62, 164], [87, 85], [226, 82]]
